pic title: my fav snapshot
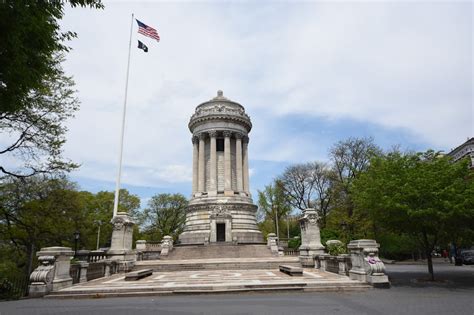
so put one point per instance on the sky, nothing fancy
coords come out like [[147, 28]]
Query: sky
[[309, 74]]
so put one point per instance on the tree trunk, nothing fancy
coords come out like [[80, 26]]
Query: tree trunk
[[31, 252], [430, 265], [428, 250]]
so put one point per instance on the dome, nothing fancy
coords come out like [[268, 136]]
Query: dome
[[220, 108]]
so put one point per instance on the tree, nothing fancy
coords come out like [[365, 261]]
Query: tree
[[423, 195], [36, 133], [350, 158], [299, 185], [273, 204], [41, 211], [30, 43], [165, 215], [309, 185], [36, 97]]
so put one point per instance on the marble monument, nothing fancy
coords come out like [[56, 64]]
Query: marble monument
[[221, 207]]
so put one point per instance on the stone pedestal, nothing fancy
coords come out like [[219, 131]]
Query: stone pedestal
[[310, 237], [122, 235], [366, 265], [83, 273], [166, 245], [272, 243], [53, 272]]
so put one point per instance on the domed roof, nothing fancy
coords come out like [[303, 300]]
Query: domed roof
[[220, 108]]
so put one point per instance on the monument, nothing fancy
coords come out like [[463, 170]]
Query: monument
[[221, 208]]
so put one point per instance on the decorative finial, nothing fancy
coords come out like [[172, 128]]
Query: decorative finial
[[220, 93]]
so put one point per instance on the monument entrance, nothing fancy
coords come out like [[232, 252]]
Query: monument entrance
[[221, 207], [220, 232]]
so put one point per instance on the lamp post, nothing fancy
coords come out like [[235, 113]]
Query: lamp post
[[99, 223], [77, 235]]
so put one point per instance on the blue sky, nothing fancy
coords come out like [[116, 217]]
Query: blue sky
[[308, 73]]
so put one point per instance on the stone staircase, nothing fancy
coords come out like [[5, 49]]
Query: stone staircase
[[217, 264], [218, 250]]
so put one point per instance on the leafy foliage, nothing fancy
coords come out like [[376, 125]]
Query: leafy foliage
[[40, 211], [165, 215], [423, 195], [30, 43], [273, 204], [336, 249]]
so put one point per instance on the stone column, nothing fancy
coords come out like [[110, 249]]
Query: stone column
[[238, 161], [195, 163], [245, 166], [201, 166], [213, 170], [227, 164]]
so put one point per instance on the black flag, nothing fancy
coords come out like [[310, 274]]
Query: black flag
[[142, 46]]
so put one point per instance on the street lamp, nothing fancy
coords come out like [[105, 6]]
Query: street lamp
[[99, 222], [77, 235]]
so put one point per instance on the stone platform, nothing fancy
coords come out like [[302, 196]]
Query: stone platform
[[210, 281]]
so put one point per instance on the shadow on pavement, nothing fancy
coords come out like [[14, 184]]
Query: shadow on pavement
[[446, 276]]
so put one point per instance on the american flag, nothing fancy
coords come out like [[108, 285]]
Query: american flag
[[147, 31]]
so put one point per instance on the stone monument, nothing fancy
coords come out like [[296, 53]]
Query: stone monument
[[221, 208], [310, 237]]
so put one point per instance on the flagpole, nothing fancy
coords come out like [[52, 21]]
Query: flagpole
[[117, 183]]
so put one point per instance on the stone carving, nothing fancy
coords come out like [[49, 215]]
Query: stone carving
[[220, 211], [45, 271], [120, 221], [313, 218], [212, 133], [53, 272], [366, 265], [166, 245]]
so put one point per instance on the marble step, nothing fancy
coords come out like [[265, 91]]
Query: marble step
[[218, 251]]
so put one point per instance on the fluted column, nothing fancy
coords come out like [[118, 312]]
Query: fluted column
[[213, 170], [202, 171], [195, 163], [246, 165], [227, 164], [238, 161]]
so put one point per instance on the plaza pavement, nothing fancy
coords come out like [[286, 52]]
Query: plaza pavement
[[452, 294]]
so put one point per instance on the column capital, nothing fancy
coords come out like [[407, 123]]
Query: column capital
[[195, 139], [238, 135], [212, 133], [202, 135], [245, 139], [227, 133]]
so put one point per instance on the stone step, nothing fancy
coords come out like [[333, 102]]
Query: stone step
[[217, 250], [158, 265], [206, 289]]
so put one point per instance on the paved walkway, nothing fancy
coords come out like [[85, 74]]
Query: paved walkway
[[205, 281]]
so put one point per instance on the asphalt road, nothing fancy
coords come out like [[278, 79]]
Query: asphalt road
[[452, 293]]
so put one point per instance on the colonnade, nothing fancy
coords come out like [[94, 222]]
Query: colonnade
[[241, 162]]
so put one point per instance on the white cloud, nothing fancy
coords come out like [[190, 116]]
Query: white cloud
[[406, 66]]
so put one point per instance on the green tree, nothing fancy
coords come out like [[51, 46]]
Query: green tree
[[350, 158], [165, 215], [30, 43], [39, 211], [36, 97], [273, 204], [423, 195]]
